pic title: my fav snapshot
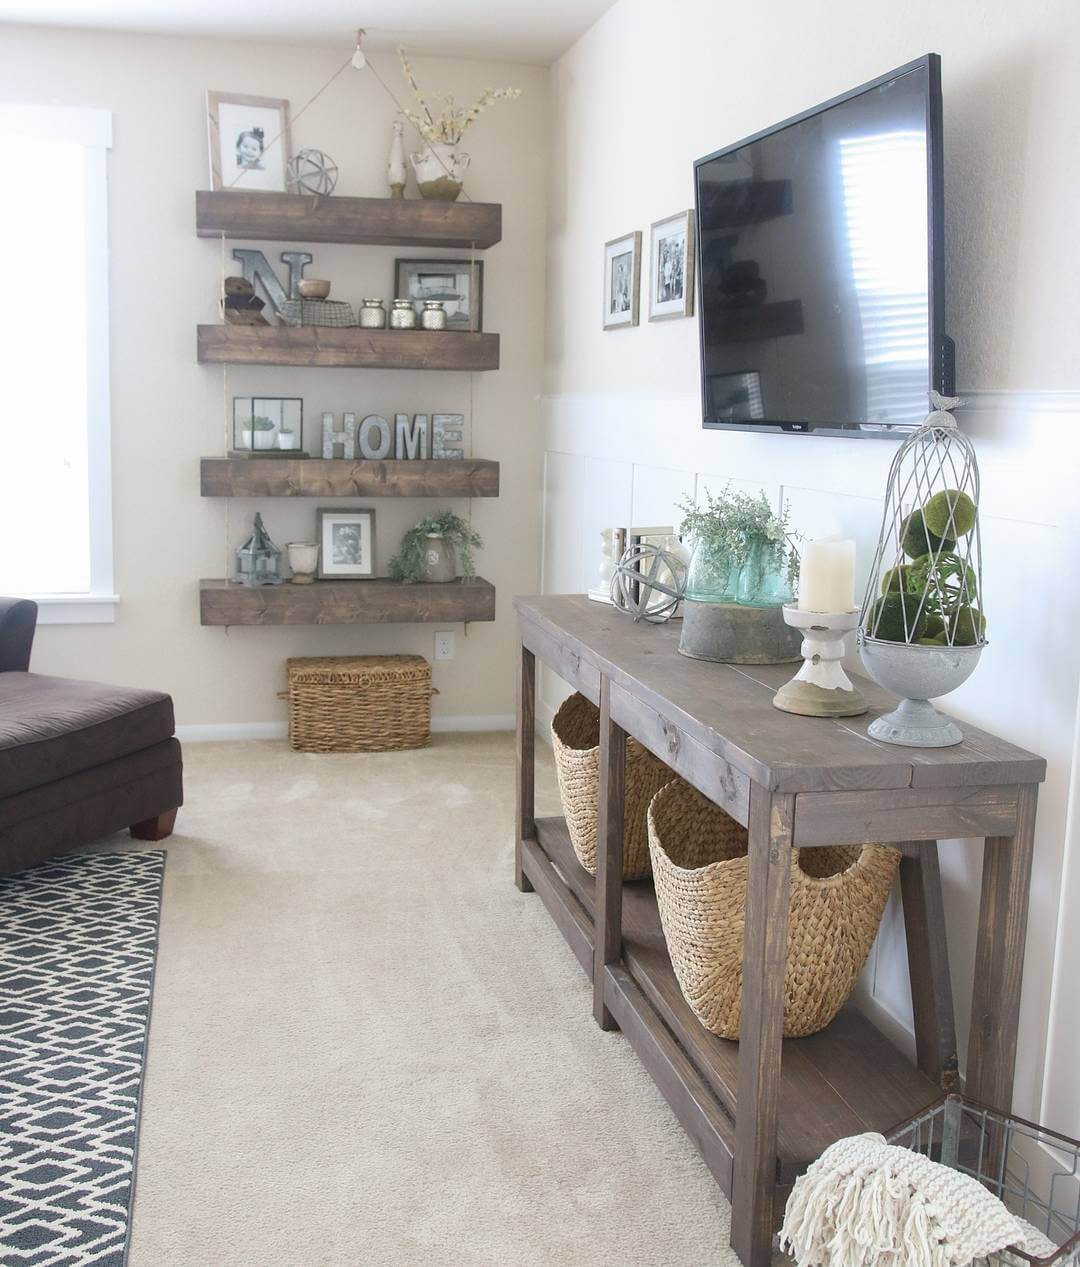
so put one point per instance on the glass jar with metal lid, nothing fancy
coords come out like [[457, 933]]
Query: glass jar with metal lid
[[402, 315], [434, 315], [372, 314]]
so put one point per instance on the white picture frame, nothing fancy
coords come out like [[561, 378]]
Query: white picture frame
[[622, 281], [671, 267], [250, 141], [347, 544]]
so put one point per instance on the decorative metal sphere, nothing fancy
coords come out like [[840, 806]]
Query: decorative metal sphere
[[312, 172], [649, 582]]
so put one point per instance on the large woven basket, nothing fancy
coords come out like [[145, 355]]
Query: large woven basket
[[372, 703], [838, 894], [575, 736]]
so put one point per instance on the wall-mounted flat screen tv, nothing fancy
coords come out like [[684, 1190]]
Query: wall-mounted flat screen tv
[[822, 268]]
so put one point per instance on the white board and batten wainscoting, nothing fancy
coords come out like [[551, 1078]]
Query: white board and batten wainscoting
[[613, 460]]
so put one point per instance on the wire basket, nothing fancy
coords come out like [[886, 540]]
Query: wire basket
[[1035, 1172]]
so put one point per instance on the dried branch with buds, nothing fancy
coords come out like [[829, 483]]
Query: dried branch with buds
[[449, 124]]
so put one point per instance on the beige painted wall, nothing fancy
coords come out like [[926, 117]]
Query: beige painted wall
[[637, 99], [167, 410]]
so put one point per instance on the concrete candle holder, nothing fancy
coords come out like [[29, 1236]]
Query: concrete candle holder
[[821, 688]]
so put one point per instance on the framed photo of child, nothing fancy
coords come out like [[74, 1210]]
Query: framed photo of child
[[250, 146]]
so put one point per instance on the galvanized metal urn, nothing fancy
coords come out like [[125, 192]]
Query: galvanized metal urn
[[921, 627]]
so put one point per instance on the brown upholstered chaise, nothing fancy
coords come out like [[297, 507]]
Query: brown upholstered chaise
[[78, 760]]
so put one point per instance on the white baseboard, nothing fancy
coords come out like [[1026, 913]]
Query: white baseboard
[[230, 732]]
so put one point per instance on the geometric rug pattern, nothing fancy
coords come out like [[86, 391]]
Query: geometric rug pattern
[[78, 943]]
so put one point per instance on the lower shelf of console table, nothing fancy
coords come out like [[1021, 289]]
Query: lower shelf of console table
[[845, 1080]]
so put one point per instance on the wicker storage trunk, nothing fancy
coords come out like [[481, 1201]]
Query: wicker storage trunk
[[575, 736], [370, 703], [838, 894]]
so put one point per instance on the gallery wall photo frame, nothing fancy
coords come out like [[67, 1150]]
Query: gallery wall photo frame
[[457, 284], [250, 141], [671, 267], [622, 280], [347, 541]]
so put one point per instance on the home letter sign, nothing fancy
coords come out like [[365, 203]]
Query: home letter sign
[[411, 438], [373, 425], [447, 432], [339, 444]]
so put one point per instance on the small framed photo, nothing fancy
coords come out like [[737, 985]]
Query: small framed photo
[[250, 146], [622, 281], [458, 284], [347, 538], [268, 424], [671, 267]]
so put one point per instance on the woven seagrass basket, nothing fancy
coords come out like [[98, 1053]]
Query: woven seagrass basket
[[371, 703], [838, 894], [575, 736]]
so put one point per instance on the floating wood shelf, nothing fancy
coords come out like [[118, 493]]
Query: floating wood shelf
[[348, 347], [335, 477], [280, 217], [372, 602], [845, 1080]]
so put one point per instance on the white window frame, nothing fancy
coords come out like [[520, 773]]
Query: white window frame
[[92, 129]]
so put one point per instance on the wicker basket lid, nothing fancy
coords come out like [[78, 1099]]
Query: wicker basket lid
[[358, 669]]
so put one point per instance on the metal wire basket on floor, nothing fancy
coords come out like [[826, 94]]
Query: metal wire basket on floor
[[1034, 1171]]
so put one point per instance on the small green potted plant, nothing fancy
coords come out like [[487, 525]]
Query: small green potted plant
[[743, 551], [260, 434], [438, 548]]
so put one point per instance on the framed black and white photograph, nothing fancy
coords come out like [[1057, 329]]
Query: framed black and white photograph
[[457, 284], [671, 267], [622, 281], [347, 538], [268, 423], [250, 145]]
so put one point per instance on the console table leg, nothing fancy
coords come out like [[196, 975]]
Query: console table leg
[[607, 944], [928, 963], [761, 1028], [999, 958], [525, 816]]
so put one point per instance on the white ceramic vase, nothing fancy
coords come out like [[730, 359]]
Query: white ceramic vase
[[258, 439], [288, 440], [303, 560], [440, 170], [439, 562]]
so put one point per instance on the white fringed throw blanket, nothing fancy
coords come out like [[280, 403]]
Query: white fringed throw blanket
[[866, 1203]]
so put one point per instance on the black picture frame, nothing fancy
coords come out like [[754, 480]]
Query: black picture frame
[[405, 270]]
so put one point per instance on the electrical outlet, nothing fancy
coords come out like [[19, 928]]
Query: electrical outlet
[[444, 644]]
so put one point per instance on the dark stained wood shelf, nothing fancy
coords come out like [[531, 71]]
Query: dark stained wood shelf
[[278, 217], [335, 477], [379, 601], [842, 1081], [348, 347]]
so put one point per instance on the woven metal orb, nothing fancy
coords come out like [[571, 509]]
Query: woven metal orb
[[649, 583], [311, 172]]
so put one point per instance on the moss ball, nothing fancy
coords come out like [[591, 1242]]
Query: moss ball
[[887, 618], [949, 508], [895, 578], [933, 627], [938, 640], [968, 626], [917, 540]]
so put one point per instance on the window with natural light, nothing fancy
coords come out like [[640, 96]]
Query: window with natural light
[[55, 512]]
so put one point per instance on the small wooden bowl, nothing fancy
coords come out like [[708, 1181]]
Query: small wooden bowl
[[313, 288]]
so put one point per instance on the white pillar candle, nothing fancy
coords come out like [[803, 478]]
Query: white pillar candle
[[827, 577]]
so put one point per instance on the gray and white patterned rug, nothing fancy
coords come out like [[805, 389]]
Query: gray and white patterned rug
[[78, 943]]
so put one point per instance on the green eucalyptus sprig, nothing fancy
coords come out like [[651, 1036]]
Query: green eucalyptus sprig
[[733, 521], [409, 564]]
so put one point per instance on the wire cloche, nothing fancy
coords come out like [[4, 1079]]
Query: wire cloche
[[922, 627], [311, 172]]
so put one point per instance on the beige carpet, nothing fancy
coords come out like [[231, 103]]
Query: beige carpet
[[368, 1048]]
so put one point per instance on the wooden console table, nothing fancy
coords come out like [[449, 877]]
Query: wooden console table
[[762, 1109]]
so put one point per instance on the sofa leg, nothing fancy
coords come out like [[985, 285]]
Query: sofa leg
[[155, 828]]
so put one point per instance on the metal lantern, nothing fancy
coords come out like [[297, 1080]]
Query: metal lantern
[[649, 582], [922, 627], [311, 172], [258, 561]]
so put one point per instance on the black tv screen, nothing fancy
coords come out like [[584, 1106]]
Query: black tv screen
[[820, 246]]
